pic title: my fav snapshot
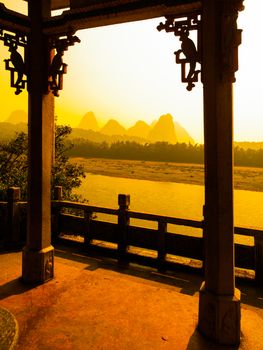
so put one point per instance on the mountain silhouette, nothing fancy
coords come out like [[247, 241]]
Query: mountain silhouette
[[163, 130], [9, 130], [98, 137], [89, 122], [140, 129], [17, 116], [112, 127], [182, 135]]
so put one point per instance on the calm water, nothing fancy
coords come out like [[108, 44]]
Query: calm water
[[168, 198]]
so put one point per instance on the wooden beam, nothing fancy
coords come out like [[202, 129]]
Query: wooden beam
[[58, 4], [13, 21], [116, 12]]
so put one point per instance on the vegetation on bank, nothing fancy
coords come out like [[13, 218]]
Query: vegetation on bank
[[14, 165], [159, 151]]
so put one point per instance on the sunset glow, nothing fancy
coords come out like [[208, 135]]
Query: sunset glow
[[128, 72]]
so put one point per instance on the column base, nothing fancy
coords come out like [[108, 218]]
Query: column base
[[219, 316], [38, 266]]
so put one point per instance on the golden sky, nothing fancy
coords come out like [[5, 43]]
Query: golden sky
[[128, 72]]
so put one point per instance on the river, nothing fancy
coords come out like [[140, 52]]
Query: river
[[168, 198]]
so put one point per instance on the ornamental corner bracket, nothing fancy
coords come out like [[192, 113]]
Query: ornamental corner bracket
[[57, 67], [231, 39], [190, 54], [15, 64]]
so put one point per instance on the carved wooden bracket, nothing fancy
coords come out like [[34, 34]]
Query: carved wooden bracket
[[231, 39], [189, 54], [58, 67], [15, 64]]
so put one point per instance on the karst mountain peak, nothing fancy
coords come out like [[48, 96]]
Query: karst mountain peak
[[165, 129]]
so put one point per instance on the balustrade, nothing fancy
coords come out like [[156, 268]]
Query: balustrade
[[160, 243]]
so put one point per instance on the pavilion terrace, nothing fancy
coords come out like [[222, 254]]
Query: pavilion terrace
[[88, 303]]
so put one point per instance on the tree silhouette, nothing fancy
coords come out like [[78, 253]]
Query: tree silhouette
[[14, 165]]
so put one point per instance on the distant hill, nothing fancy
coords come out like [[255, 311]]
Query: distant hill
[[16, 117], [140, 128], [8, 130], [16, 122], [165, 129], [249, 145], [112, 127], [98, 137], [89, 122], [182, 135]]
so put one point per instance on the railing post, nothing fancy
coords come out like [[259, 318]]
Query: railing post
[[123, 225], [58, 193], [259, 258], [13, 230], [56, 212], [87, 234], [162, 230]]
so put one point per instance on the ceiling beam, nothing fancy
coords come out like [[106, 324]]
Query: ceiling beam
[[102, 13], [59, 4], [13, 21]]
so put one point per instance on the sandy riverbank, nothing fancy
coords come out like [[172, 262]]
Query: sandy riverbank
[[244, 178]]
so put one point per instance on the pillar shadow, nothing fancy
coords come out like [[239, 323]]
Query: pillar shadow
[[185, 283], [14, 287], [251, 293], [199, 342]]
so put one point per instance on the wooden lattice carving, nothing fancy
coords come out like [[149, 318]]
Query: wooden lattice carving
[[190, 54], [57, 67], [15, 64]]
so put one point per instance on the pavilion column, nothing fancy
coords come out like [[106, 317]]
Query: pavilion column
[[219, 304], [38, 255]]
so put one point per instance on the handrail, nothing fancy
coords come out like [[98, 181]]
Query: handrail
[[243, 231], [131, 214], [167, 219], [83, 206]]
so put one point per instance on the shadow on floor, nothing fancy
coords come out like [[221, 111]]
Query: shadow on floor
[[14, 287], [198, 342], [187, 284]]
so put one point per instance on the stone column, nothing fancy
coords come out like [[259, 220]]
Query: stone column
[[38, 255], [219, 304]]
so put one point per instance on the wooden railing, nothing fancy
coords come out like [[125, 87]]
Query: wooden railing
[[159, 247], [165, 246], [13, 219]]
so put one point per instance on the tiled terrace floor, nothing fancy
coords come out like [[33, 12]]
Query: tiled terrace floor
[[95, 304]]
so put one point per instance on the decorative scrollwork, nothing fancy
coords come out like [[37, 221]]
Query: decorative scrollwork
[[191, 54], [15, 64], [58, 67]]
